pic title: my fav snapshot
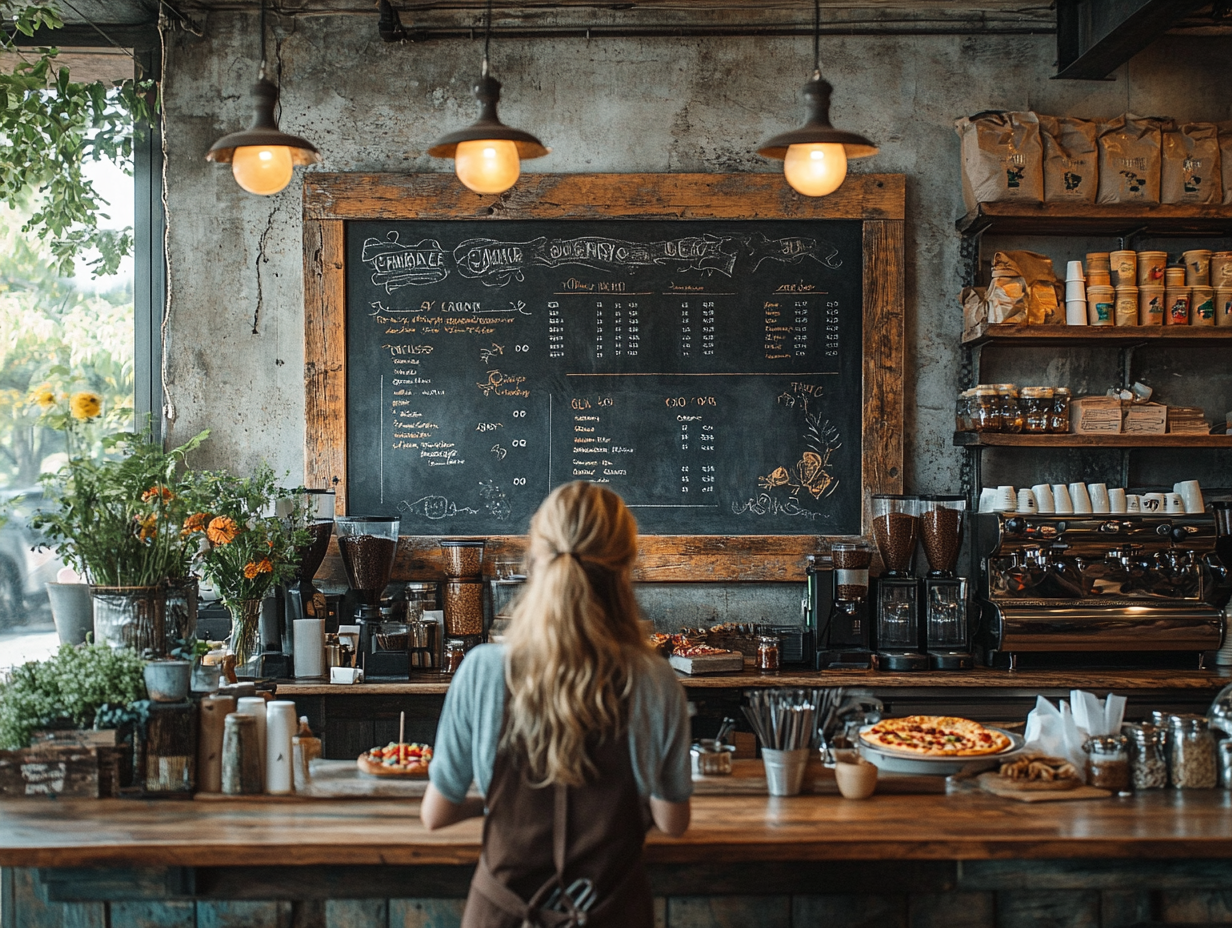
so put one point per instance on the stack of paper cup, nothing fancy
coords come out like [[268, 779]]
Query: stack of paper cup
[[1075, 295]]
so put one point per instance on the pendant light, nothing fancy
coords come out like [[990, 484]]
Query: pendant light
[[488, 154], [262, 156], [815, 155]]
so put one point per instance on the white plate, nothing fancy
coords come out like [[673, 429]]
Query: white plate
[[893, 761]]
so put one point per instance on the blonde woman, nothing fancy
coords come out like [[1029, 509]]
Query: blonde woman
[[574, 731]]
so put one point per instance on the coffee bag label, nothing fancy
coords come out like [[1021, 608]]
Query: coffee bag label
[[1191, 169], [1071, 159], [1129, 159]]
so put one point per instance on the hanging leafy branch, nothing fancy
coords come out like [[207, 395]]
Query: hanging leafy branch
[[50, 127]]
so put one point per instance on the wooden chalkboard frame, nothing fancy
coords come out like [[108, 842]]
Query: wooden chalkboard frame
[[877, 200]]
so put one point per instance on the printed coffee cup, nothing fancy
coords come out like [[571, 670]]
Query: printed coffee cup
[[1151, 266], [1202, 306], [1221, 267], [1101, 306], [1223, 306], [1151, 306], [1126, 310], [1176, 306], [1125, 268], [1197, 267]]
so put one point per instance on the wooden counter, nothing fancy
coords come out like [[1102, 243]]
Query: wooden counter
[[964, 826], [979, 678]]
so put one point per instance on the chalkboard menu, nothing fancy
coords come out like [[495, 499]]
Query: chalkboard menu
[[709, 372]]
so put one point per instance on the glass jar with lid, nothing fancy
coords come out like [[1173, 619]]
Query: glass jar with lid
[[962, 412], [769, 649], [420, 596], [1148, 755], [1058, 422], [1011, 409], [1108, 762], [1036, 409], [985, 407], [1193, 753]]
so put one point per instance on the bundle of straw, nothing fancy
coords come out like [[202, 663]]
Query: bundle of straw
[[786, 719]]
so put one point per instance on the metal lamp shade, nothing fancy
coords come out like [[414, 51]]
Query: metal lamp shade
[[817, 128], [489, 127], [263, 132]]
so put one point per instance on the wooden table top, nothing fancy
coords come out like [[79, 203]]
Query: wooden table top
[[726, 829], [979, 678]]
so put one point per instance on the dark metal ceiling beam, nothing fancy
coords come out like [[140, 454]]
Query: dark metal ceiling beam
[[1095, 37]]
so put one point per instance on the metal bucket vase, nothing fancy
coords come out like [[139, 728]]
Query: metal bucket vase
[[131, 617], [72, 610]]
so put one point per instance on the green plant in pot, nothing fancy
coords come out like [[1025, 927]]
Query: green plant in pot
[[249, 530], [77, 687], [118, 519]]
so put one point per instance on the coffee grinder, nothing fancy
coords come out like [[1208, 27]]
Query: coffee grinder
[[945, 593], [845, 635], [896, 526], [301, 598], [368, 545]]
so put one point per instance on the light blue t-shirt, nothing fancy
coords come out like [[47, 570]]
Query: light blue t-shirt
[[469, 730]]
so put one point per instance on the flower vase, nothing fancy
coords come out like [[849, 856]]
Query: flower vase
[[245, 624], [131, 617]]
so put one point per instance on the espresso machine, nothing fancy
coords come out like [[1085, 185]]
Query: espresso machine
[[368, 545], [896, 598], [945, 593], [844, 634], [1098, 590]]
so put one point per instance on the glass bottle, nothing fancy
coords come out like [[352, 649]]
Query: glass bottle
[[1193, 753], [455, 650], [1037, 404], [1148, 755], [769, 647], [1011, 410], [1058, 423], [1108, 762]]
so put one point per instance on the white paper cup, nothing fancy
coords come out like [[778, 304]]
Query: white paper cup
[[1117, 500], [1073, 271], [1099, 497], [1191, 495], [1075, 290], [1082, 499], [1173, 504], [1027, 501], [1152, 503], [1062, 504], [785, 770], [1006, 499], [1043, 497], [988, 499], [1076, 312]]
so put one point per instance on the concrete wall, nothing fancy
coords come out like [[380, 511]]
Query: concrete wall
[[629, 105]]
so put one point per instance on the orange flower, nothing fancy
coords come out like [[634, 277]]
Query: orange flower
[[222, 530], [194, 523], [147, 526], [254, 568], [157, 493]]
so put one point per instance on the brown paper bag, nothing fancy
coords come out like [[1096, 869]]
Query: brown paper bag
[[1225, 160], [1002, 158], [975, 310], [1129, 159], [1071, 159], [1031, 275], [1191, 171]]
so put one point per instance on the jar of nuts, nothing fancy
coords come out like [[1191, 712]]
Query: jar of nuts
[[1193, 753], [1148, 755], [1108, 762]]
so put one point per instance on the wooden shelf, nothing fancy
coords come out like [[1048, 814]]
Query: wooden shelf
[[1028, 335], [1123, 440], [1090, 219]]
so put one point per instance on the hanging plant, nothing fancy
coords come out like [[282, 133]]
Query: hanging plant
[[50, 127]]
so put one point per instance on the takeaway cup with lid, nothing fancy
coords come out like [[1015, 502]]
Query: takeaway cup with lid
[[1151, 266]]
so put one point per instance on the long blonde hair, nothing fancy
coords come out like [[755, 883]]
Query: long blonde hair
[[575, 635]]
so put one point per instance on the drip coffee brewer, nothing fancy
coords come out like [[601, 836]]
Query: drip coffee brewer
[[368, 545], [896, 526], [846, 633], [945, 593]]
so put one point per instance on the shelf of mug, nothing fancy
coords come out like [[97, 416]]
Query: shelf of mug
[[1122, 440], [1096, 219], [1028, 335]]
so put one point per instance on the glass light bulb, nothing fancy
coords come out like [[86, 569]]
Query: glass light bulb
[[262, 169], [815, 170], [487, 165]]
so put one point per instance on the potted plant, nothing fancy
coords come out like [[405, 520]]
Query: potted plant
[[119, 512], [249, 530], [76, 688]]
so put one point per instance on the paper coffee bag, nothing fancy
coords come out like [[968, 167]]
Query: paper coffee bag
[[1071, 159], [1225, 160], [1002, 158], [1129, 159], [1191, 172]]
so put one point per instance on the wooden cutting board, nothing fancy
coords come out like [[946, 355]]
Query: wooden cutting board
[[727, 662], [994, 783]]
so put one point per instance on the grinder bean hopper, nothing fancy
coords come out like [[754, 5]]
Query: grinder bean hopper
[[896, 526], [368, 545], [945, 593]]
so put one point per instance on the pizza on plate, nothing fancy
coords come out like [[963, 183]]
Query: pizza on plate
[[936, 736], [396, 760]]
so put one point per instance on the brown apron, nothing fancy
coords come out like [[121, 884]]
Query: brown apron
[[538, 841]]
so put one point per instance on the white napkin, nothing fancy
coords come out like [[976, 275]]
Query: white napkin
[[1096, 717], [1051, 730]]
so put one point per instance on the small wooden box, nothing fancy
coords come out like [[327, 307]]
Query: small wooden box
[[50, 770]]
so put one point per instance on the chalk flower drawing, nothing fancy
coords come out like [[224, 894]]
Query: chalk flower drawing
[[782, 487], [495, 500], [435, 508]]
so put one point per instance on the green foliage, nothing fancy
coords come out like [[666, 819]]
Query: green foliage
[[51, 126], [71, 689], [118, 520]]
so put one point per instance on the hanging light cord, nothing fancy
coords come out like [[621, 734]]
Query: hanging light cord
[[261, 32], [487, 37], [817, 38]]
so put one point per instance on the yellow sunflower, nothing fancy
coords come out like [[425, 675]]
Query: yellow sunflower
[[85, 405], [44, 396]]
